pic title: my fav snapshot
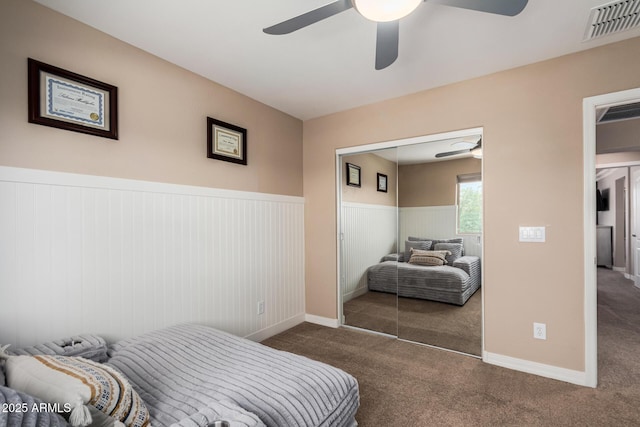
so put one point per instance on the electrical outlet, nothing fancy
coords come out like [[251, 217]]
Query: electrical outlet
[[260, 307], [540, 331]]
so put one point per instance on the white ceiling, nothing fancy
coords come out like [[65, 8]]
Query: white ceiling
[[426, 152], [329, 66]]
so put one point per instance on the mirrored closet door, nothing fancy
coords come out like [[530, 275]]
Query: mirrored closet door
[[411, 256], [439, 212]]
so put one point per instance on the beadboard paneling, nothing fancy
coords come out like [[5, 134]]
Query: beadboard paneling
[[86, 254], [369, 233]]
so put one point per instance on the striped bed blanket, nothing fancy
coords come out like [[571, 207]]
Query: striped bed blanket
[[450, 284], [184, 371]]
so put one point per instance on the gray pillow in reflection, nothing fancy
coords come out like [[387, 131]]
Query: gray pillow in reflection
[[423, 245], [454, 248]]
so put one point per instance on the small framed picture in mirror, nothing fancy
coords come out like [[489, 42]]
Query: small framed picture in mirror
[[353, 175], [382, 182]]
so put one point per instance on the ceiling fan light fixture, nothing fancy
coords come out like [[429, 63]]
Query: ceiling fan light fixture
[[385, 10]]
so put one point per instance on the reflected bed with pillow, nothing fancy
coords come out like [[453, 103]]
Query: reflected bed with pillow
[[184, 376], [431, 269]]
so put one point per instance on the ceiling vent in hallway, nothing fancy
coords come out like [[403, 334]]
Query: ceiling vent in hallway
[[620, 112], [612, 18]]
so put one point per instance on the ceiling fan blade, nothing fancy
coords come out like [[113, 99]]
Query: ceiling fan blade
[[306, 19], [387, 43], [466, 150], [499, 7], [453, 153]]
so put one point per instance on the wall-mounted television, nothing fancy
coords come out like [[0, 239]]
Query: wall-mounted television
[[602, 199]]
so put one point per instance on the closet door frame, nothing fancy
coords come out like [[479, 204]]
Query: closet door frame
[[358, 149]]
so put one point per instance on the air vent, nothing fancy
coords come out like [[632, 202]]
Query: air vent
[[621, 112], [612, 18]]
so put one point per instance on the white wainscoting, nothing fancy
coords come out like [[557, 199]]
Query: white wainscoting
[[369, 234], [116, 257], [437, 222]]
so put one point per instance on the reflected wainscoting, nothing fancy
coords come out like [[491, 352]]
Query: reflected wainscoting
[[436, 222], [369, 234]]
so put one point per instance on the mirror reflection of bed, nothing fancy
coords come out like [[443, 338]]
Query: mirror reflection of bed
[[438, 210]]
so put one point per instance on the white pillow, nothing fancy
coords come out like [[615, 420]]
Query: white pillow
[[96, 393]]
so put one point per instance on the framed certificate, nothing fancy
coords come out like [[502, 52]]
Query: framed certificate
[[66, 100], [226, 142], [382, 182], [353, 175]]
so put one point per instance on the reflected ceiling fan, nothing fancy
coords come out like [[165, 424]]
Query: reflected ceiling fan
[[471, 146], [387, 14]]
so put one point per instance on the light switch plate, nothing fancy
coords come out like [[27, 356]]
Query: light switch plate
[[532, 234]]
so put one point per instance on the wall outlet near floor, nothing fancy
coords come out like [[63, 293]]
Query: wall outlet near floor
[[260, 307], [540, 331]]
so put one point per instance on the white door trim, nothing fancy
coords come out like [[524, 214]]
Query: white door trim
[[634, 174], [589, 217]]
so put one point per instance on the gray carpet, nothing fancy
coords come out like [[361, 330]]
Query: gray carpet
[[403, 384], [618, 331], [429, 322], [375, 311], [442, 325]]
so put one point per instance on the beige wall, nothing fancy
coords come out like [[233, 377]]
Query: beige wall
[[618, 136], [533, 175], [433, 184], [370, 165], [163, 110]]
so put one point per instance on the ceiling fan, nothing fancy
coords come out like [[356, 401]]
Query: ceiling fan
[[471, 146], [387, 14]]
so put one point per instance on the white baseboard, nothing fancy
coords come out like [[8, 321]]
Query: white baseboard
[[548, 371], [322, 321], [620, 269], [354, 294], [265, 333]]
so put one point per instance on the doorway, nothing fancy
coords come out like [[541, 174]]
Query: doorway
[[591, 106]]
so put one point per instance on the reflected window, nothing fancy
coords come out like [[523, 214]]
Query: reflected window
[[469, 203]]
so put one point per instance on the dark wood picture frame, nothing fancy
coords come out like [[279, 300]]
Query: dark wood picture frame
[[65, 100], [383, 182], [353, 175], [226, 142]]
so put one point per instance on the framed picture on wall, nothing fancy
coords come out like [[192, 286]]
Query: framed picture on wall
[[382, 182], [69, 101], [226, 142], [353, 175]]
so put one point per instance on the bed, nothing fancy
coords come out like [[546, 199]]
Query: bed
[[453, 283], [192, 375]]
